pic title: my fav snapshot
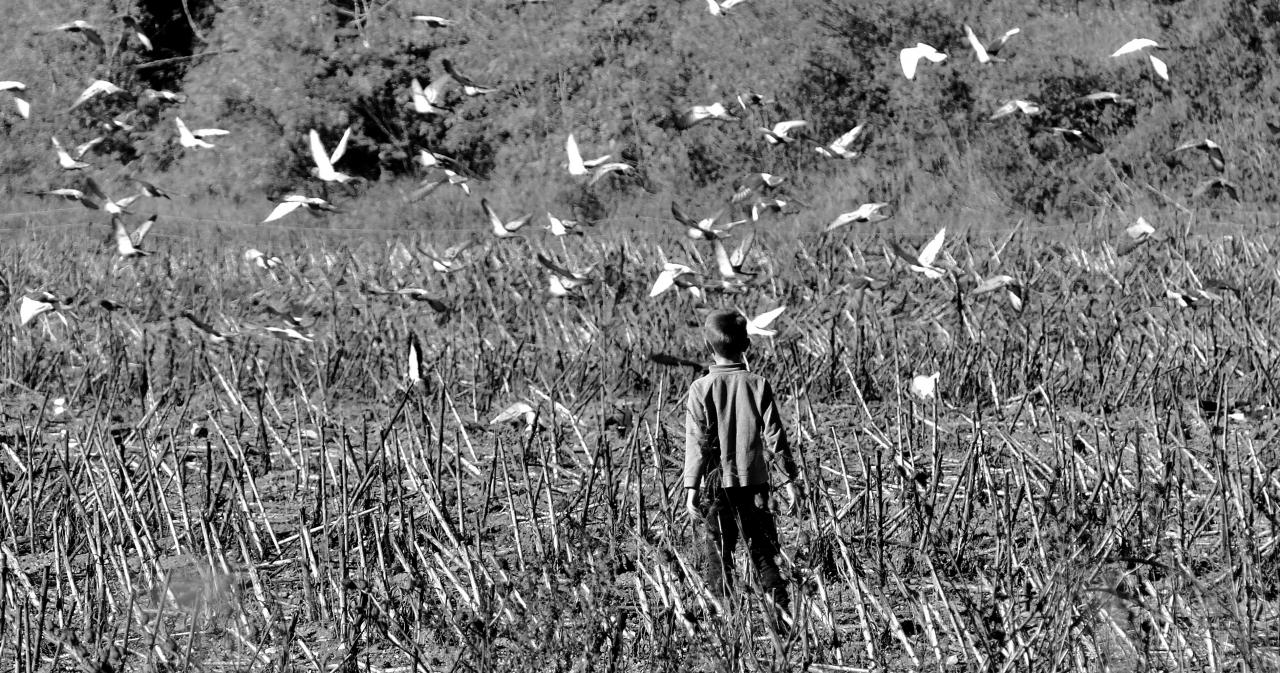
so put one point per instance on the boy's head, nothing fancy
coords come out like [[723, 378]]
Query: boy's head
[[726, 334]]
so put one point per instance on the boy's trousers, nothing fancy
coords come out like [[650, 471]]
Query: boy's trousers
[[730, 514]]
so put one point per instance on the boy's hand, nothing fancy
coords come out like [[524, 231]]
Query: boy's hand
[[691, 502]]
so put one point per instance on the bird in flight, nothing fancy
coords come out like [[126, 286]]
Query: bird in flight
[[108, 204], [1026, 107], [71, 195], [559, 227], [721, 8], [924, 262], [1143, 44], [133, 26], [65, 160], [730, 265], [563, 277], [700, 113], [82, 27], [1217, 186], [1211, 149], [841, 148], [759, 325], [192, 139], [985, 53], [100, 87], [867, 212], [1100, 97], [324, 161], [429, 101], [676, 275], [1077, 138], [704, 229], [925, 386], [432, 21], [596, 168], [23, 107], [124, 244], [29, 308], [778, 134], [213, 335], [469, 86], [448, 262], [500, 228], [911, 56], [292, 202]]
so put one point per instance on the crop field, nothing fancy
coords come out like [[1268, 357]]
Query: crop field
[[1093, 486]]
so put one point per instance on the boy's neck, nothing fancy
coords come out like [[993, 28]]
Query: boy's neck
[[722, 360]]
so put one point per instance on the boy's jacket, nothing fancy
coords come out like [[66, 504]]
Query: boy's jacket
[[732, 422]]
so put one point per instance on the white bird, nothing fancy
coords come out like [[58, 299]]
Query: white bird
[[138, 235], [1143, 44], [65, 160], [559, 227], [503, 229], [700, 113], [293, 202], [432, 21], [261, 259], [191, 139], [924, 262], [72, 195], [1026, 107], [324, 162], [124, 245], [429, 101], [289, 333], [517, 411], [470, 87], [910, 58], [730, 266], [29, 308], [448, 262], [676, 275], [760, 324], [720, 8], [212, 334], [840, 148], [925, 386], [867, 212], [413, 366], [108, 204], [99, 87], [577, 165], [88, 30], [704, 229], [985, 53], [23, 107], [565, 277], [1211, 149], [778, 134], [1098, 97], [132, 24]]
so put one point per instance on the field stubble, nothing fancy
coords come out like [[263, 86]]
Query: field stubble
[[1093, 488]]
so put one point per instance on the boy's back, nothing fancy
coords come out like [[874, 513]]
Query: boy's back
[[733, 410]]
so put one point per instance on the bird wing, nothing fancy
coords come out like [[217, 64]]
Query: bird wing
[[434, 92], [1161, 68], [841, 220], [499, 228], [183, 131], [84, 147], [764, 319], [205, 133], [664, 282], [998, 43], [909, 58], [744, 247], [457, 76], [414, 359], [141, 232], [844, 141], [781, 128], [283, 209], [723, 265], [124, 245], [1005, 109], [576, 167], [553, 267], [319, 155], [974, 42], [930, 251], [1137, 44], [513, 412], [341, 149], [681, 216], [24, 108]]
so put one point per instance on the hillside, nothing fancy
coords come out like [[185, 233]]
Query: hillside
[[614, 73]]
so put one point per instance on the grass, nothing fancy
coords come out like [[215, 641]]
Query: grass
[[1094, 487]]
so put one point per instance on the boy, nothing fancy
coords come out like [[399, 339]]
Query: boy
[[732, 431]]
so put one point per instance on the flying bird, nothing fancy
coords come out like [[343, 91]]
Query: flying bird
[[65, 160], [99, 87], [192, 139], [559, 227], [1026, 107], [911, 56], [500, 228], [151, 190], [82, 27], [676, 275], [261, 260], [841, 148], [133, 26], [753, 183], [1143, 44], [124, 245], [115, 207], [986, 52], [924, 262], [213, 335], [413, 360], [324, 162], [1211, 149], [1099, 97], [720, 8], [448, 262], [577, 165], [1215, 187], [701, 113], [730, 266], [23, 107], [1136, 235], [429, 101], [867, 212], [469, 86], [778, 134], [1080, 139], [432, 21], [71, 195], [292, 202], [759, 325], [29, 308], [567, 278], [925, 386], [704, 229]]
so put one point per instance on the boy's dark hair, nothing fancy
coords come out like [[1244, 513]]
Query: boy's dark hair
[[726, 333]]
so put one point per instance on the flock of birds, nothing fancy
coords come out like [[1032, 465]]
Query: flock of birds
[[754, 195]]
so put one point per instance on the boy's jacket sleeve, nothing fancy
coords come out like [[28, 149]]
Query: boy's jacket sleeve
[[695, 429], [775, 435]]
